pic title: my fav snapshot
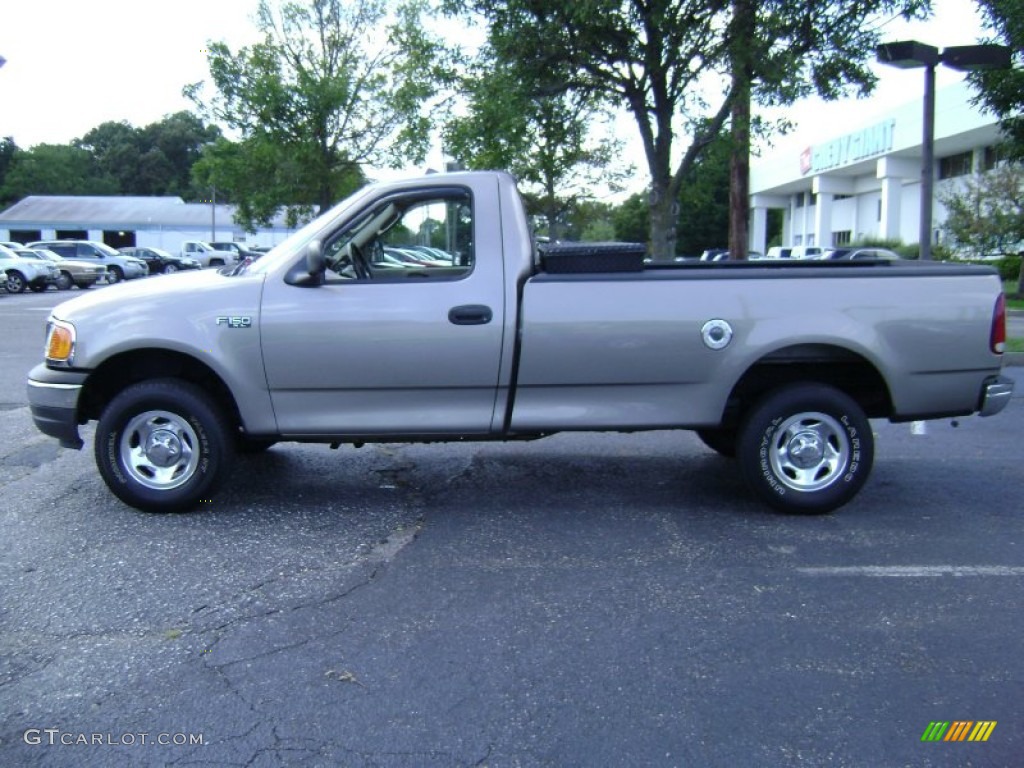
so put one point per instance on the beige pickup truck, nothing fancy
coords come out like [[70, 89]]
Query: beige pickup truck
[[421, 310]]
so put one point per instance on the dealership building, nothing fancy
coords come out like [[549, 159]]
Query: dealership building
[[865, 182]]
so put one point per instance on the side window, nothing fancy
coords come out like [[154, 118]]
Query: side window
[[84, 252], [67, 252], [426, 236]]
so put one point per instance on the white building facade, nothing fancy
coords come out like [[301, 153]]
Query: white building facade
[[865, 183]]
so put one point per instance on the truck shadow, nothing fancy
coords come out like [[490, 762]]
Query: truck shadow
[[562, 478]]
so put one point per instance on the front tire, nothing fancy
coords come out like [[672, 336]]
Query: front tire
[[114, 275], [16, 282], [806, 448], [163, 446], [64, 281]]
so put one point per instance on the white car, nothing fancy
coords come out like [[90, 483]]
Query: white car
[[26, 273]]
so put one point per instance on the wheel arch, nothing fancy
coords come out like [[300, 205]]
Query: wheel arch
[[122, 370], [833, 365]]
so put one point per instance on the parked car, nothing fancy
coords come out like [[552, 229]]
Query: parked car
[[11, 245], [778, 252], [861, 254], [240, 251], [806, 252], [26, 273], [160, 261], [71, 271], [119, 267], [715, 254], [206, 254]]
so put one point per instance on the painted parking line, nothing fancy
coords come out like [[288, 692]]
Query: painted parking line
[[913, 571]]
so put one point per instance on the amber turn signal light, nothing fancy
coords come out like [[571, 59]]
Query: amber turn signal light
[[60, 343]]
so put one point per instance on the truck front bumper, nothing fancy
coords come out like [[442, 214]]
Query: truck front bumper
[[995, 395], [53, 400]]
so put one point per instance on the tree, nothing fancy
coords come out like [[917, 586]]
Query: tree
[[8, 149], [669, 63], [1003, 90], [539, 133], [54, 169], [155, 160], [328, 90], [985, 214], [704, 200], [632, 219]]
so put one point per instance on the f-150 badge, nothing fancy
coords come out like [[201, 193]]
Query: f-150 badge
[[235, 321]]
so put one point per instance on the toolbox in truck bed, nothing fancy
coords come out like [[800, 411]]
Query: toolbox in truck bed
[[592, 257]]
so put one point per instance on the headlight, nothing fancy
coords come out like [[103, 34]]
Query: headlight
[[60, 343]]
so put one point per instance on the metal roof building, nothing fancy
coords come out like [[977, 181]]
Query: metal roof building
[[156, 222]]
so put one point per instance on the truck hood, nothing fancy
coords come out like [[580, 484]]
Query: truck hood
[[187, 312], [146, 295]]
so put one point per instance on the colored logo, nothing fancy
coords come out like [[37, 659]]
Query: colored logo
[[959, 730], [806, 161]]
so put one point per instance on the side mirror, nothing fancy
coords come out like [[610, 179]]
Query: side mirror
[[315, 272]]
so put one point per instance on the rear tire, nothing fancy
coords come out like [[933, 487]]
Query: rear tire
[[64, 281], [163, 446], [806, 448]]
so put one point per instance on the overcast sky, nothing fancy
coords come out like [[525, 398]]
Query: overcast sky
[[73, 64]]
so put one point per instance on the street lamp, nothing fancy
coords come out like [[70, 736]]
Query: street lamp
[[910, 54]]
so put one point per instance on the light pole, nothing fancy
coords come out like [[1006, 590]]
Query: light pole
[[910, 54]]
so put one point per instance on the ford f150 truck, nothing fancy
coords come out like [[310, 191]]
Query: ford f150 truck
[[779, 364]]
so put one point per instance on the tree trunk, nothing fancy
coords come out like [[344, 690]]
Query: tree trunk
[[1020, 276], [663, 209]]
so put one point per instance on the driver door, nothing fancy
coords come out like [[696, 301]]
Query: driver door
[[387, 345]]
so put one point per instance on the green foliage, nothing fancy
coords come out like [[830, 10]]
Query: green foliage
[[985, 213], [704, 201], [114, 158], [332, 86], [8, 149], [632, 219], [540, 134], [665, 61], [1011, 268], [154, 160], [55, 169], [1002, 91]]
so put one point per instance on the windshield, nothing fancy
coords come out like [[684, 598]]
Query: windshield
[[107, 250], [287, 249]]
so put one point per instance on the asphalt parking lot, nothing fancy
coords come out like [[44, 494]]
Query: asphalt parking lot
[[581, 600]]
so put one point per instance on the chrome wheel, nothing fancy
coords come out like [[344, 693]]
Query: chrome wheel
[[809, 451], [805, 448], [160, 450]]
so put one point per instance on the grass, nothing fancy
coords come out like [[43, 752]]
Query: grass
[[1015, 345]]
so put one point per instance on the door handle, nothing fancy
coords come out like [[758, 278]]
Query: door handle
[[470, 314]]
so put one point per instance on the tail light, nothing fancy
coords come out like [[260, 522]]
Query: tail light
[[997, 339]]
